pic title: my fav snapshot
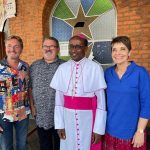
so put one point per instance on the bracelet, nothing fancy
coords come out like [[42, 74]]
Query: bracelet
[[140, 130]]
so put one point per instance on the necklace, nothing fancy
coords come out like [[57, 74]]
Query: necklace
[[120, 72]]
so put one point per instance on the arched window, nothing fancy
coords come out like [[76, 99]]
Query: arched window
[[96, 19]]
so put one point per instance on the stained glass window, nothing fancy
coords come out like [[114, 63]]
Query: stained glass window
[[96, 19]]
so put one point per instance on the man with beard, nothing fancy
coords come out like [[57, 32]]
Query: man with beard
[[80, 113], [41, 73]]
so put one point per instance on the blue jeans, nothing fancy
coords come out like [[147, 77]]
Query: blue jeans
[[21, 130]]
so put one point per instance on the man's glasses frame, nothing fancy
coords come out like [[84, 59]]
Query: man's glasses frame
[[77, 47], [49, 47]]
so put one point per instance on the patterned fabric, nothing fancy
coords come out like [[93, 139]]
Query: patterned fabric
[[14, 91], [113, 143], [41, 74]]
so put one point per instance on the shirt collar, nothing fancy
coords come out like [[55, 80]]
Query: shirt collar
[[129, 70], [21, 64], [80, 61], [57, 58]]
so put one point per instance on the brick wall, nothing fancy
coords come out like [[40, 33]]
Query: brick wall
[[32, 23], [134, 21]]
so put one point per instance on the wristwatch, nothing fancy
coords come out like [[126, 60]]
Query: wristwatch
[[140, 130]]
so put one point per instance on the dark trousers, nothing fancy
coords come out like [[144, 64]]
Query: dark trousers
[[49, 139]]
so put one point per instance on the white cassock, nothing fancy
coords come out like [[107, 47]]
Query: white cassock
[[79, 79]]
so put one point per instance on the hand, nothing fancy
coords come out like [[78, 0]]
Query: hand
[[96, 138], [61, 133], [138, 139], [33, 111], [1, 129]]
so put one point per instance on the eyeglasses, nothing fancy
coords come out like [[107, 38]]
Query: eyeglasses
[[77, 47], [49, 47]]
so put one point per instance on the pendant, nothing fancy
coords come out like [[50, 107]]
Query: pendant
[[72, 93]]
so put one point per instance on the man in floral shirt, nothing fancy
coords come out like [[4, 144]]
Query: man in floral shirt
[[14, 105]]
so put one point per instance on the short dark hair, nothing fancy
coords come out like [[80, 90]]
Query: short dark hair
[[53, 39], [85, 41], [18, 38], [122, 39]]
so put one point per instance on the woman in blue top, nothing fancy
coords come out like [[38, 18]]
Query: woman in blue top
[[128, 100]]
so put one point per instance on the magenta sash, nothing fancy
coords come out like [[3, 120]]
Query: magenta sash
[[79, 103], [83, 103]]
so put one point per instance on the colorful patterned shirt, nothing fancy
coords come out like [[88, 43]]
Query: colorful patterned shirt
[[14, 99]]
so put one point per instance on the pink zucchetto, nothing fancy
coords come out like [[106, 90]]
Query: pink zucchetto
[[80, 35]]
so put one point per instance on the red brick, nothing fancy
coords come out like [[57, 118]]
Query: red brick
[[32, 24]]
